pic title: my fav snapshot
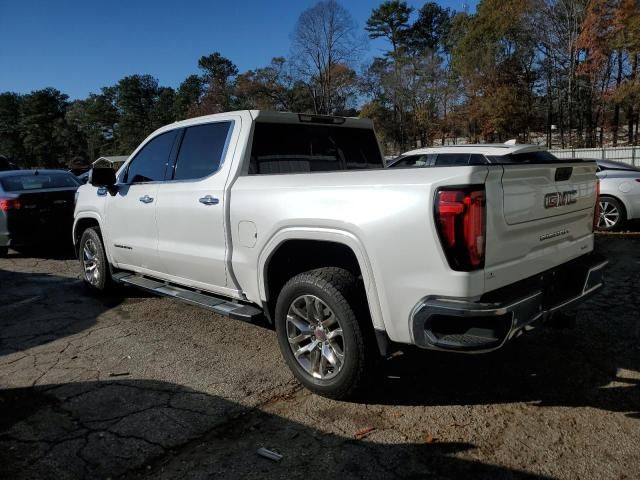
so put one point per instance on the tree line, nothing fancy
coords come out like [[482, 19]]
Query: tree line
[[559, 72]]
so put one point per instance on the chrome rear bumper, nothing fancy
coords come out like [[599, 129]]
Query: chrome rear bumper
[[455, 324]]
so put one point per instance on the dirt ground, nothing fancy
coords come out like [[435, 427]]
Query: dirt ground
[[136, 386]]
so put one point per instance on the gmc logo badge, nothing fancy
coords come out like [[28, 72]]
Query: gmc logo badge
[[560, 199]]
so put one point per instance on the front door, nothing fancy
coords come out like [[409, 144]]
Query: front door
[[130, 213], [131, 224]]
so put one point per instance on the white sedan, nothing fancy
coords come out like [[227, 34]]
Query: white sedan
[[619, 194]]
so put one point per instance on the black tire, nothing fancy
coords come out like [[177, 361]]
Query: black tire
[[609, 207], [91, 238], [341, 292], [4, 251]]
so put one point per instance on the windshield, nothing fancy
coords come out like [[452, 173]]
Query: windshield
[[293, 148], [37, 181]]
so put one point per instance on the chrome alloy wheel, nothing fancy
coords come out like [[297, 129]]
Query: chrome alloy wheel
[[90, 262], [609, 215], [315, 337]]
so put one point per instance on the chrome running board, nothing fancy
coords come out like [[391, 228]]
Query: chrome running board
[[219, 305]]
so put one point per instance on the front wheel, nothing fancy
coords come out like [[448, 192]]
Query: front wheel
[[93, 260], [328, 350]]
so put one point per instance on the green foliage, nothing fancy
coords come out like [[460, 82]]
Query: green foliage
[[383, 120], [217, 68], [95, 119], [42, 124], [188, 96], [493, 53], [410, 82], [164, 108], [135, 98], [10, 136], [391, 21], [431, 30], [217, 76]]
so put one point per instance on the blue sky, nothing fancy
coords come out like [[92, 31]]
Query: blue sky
[[81, 46]]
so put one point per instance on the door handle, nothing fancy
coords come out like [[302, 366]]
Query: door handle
[[146, 199], [209, 200]]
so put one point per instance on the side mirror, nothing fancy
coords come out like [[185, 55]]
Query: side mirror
[[102, 177]]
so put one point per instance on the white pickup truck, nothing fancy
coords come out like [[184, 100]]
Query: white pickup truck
[[293, 218]]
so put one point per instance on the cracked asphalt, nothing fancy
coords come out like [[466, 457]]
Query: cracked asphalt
[[136, 386]]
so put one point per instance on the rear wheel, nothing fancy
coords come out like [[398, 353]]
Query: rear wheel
[[612, 214], [321, 338], [4, 251], [93, 260]]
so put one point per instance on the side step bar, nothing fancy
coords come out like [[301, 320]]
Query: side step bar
[[219, 305]]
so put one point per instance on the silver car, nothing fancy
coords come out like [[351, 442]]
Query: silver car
[[619, 194]]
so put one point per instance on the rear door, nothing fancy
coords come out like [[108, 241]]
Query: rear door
[[191, 208], [130, 213]]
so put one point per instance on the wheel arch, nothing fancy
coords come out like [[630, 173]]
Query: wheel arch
[[88, 220], [343, 249]]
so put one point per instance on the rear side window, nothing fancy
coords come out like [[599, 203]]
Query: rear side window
[[202, 150], [459, 159], [292, 148], [149, 164], [411, 161], [32, 181], [452, 159]]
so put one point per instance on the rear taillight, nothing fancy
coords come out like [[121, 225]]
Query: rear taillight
[[596, 211], [460, 215], [7, 204]]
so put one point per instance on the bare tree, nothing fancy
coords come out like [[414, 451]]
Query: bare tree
[[558, 23], [324, 37]]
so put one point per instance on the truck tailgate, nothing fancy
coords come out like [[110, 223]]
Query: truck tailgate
[[538, 217], [535, 192]]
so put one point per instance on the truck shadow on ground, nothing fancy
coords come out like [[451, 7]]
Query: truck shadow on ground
[[597, 364], [38, 308], [56, 250], [155, 429], [548, 372]]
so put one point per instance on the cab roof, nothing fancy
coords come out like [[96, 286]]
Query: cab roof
[[273, 117]]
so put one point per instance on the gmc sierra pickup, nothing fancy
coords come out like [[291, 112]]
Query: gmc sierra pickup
[[294, 218]]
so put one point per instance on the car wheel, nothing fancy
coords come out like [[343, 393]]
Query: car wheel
[[93, 261], [612, 214], [321, 338], [4, 251]]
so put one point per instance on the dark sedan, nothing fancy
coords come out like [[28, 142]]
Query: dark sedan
[[36, 207]]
